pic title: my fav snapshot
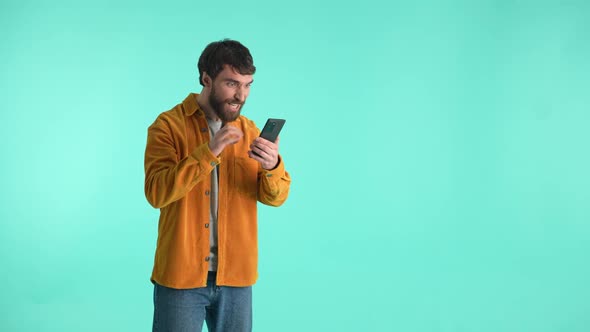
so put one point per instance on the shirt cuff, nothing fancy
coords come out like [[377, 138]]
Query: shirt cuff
[[205, 157], [275, 172]]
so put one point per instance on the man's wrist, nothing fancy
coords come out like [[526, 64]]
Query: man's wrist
[[275, 167]]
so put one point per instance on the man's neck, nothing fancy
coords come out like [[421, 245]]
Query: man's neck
[[204, 105]]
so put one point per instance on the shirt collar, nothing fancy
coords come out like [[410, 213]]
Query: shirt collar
[[190, 105]]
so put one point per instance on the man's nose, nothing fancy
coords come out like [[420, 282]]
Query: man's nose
[[240, 94]]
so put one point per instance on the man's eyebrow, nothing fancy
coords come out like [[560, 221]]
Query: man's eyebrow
[[234, 81]]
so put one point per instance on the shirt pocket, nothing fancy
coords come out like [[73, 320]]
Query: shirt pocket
[[245, 179]]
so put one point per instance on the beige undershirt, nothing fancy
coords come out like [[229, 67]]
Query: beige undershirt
[[214, 127]]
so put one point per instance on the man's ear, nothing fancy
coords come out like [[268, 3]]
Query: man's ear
[[207, 80]]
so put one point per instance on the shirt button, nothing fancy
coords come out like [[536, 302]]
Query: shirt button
[[213, 163], [206, 225], [206, 259], [268, 175], [203, 130], [207, 192]]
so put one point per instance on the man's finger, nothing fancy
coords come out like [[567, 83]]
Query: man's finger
[[258, 150], [263, 142]]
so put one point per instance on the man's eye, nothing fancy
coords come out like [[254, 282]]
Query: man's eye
[[231, 84]]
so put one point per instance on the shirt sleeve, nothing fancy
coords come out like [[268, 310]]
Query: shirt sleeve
[[168, 178], [273, 185]]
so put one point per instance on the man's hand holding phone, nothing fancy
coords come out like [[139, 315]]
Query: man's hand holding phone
[[265, 152], [265, 149]]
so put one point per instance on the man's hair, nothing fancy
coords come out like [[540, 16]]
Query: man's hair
[[225, 52]]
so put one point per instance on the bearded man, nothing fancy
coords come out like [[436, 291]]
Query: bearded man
[[205, 169]]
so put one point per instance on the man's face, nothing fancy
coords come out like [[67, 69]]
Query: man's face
[[228, 94]]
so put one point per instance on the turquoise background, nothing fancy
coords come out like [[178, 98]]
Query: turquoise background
[[438, 150]]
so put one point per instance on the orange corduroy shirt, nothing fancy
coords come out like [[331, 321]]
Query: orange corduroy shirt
[[178, 165]]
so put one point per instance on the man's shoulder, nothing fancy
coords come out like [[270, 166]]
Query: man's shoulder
[[180, 110], [174, 112], [247, 124], [168, 116], [169, 120]]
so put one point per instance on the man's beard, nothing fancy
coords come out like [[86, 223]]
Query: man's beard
[[219, 106]]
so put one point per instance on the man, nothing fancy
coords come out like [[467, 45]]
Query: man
[[203, 175]]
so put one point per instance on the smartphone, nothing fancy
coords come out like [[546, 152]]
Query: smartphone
[[271, 130]]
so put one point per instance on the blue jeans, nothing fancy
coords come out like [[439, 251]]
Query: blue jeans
[[223, 308]]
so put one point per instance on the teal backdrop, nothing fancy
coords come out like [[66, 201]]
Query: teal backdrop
[[438, 151]]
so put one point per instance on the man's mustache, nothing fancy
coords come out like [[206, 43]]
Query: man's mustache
[[235, 101]]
